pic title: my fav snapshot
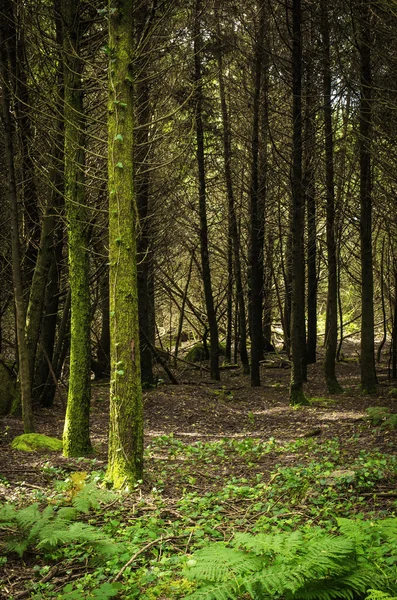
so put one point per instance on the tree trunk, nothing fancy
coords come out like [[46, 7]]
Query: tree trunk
[[256, 213], [233, 238], [298, 342], [205, 262], [76, 434], [331, 325], [368, 372], [142, 187], [25, 130], [126, 409], [310, 201], [23, 355]]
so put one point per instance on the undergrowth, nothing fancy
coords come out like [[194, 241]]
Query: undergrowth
[[205, 493]]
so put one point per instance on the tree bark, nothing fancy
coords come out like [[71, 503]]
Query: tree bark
[[310, 201], [233, 237], [142, 186], [368, 372], [205, 262], [331, 325], [23, 355], [298, 341], [125, 465], [256, 212], [76, 434]]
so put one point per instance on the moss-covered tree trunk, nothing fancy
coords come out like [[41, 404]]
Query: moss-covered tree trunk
[[126, 413], [76, 438]]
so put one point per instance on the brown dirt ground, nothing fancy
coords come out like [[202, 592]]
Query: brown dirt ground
[[196, 410]]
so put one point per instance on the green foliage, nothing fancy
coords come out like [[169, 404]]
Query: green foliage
[[55, 525], [380, 415], [103, 592], [307, 564], [378, 595]]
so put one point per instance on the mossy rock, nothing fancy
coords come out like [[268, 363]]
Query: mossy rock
[[36, 442], [197, 352], [7, 389]]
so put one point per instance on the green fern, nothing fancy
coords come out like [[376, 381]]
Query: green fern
[[299, 566], [378, 595], [53, 526]]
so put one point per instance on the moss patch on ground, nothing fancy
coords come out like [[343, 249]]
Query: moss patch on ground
[[33, 442]]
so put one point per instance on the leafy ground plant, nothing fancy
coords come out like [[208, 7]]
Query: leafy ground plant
[[305, 564]]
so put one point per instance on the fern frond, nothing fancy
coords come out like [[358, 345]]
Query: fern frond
[[8, 514], [91, 496], [81, 533], [17, 545], [378, 595], [216, 591], [27, 517], [220, 563]]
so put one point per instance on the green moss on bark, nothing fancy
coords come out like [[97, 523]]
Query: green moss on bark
[[126, 413], [76, 440]]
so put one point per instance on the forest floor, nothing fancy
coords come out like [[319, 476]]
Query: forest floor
[[219, 457]]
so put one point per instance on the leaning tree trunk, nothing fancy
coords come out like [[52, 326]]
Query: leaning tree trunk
[[368, 372], [298, 342], [23, 355], [205, 262], [76, 434], [126, 410], [331, 325]]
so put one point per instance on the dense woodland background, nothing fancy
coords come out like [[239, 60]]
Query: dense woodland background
[[198, 199], [263, 159]]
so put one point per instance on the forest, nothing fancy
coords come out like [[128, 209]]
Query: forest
[[198, 309]]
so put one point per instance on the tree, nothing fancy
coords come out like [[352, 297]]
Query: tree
[[368, 372], [76, 438], [23, 355], [234, 262], [331, 326], [257, 211], [298, 342], [126, 412], [205, 262]]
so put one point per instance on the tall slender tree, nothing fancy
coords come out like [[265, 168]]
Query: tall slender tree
[[298, 341], [126, 412], [257, 209], [368, 372], [234, 262], [205, 262], [331, 326], [76, 437], [20, 311]]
